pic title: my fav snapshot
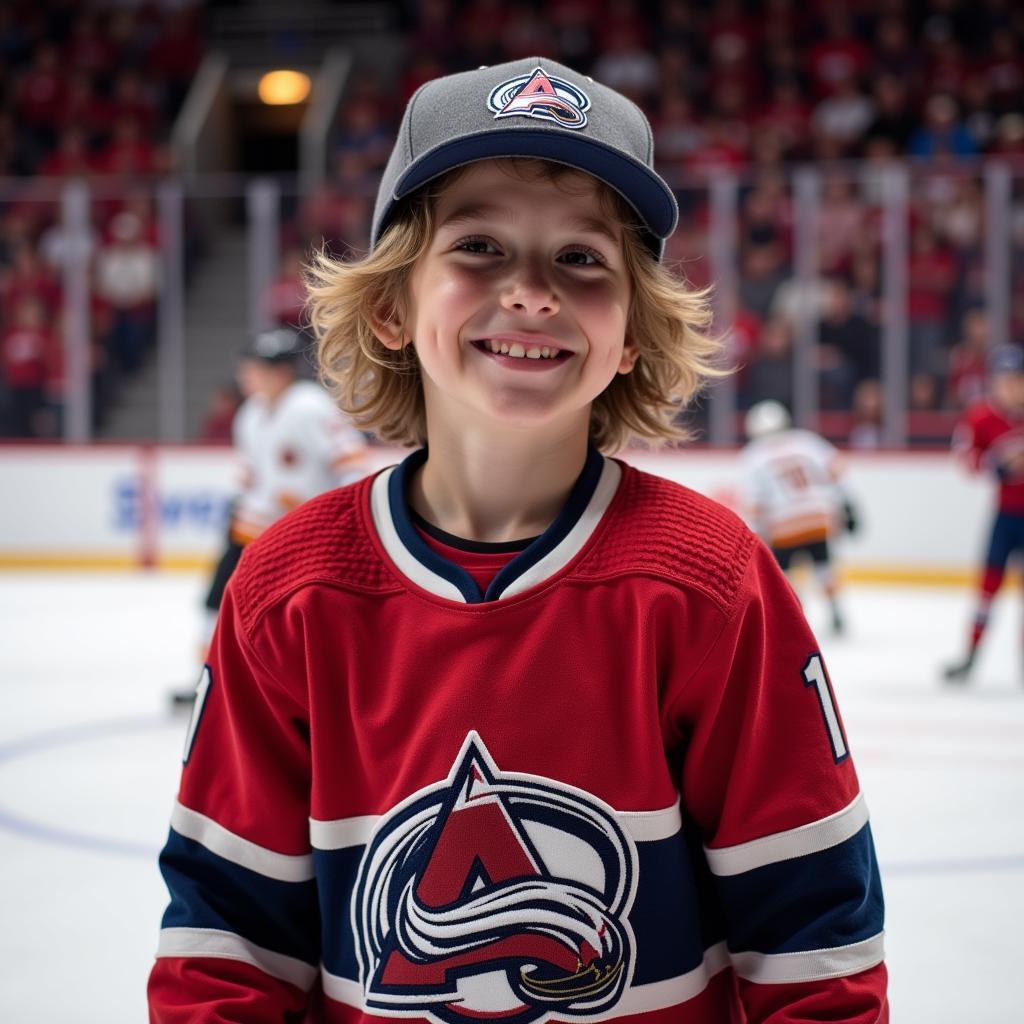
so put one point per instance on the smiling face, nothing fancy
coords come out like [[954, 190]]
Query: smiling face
[[518, 306]]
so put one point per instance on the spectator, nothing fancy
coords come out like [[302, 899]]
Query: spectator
[[364, 138], [39, 98], [28, 278], [174, 58], [787, 112], [840, 56], [1003, 69], [770, 371], [71, 158], [968, 371], [849, 348], [841, 118], [132, 100], [571, 24], [627, 66], [841, 218], [128, 277], [524, 34], [26, 346], [893, 119], [89, 50], [676, 129], [978, 115], [128, 154], [866, 430], [432, 42], [761, 272], [942, 133], [894, 55], [931, 272], [84, 109], [1009, 137]]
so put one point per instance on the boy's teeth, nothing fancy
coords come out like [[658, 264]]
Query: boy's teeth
[[519, 351]]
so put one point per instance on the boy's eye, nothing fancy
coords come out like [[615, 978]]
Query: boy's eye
[[476, 244], [581, 256]]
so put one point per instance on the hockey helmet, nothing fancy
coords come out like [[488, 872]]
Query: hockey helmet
[[278, 345], [1006, 359], [768, 417]]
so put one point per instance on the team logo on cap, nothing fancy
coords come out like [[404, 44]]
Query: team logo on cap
[[495, 895], [542, 96]]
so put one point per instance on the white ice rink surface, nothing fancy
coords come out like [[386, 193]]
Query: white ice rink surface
[[89, 758]]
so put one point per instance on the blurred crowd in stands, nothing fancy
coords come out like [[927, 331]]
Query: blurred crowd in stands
[[86, 92], [753, 88]]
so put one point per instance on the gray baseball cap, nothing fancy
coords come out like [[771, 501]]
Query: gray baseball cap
[[537, 108]]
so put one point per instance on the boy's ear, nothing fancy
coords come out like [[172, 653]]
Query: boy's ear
[[389, 333], [630, 354]]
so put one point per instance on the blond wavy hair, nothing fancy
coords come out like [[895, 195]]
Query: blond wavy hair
[[382, 391]]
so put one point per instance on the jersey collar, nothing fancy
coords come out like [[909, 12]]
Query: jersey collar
[[550, 552]]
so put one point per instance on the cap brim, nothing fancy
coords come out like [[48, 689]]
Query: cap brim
[[637, 184]]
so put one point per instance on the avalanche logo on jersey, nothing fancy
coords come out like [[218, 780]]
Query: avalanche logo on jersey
[[542, 96], [496, 895]]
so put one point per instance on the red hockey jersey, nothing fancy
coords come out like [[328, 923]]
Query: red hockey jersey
[[614, 786], [989, 438]]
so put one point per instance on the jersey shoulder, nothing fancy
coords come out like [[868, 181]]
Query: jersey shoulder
[[323, 541], [661, 528]]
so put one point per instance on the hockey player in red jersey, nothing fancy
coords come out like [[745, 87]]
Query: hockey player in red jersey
[[990, 438], [513, 731]]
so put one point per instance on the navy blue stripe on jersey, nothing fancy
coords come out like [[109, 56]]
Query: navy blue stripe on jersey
[[208, 891], [667, 895], [826, 899], [398, 488], [337, 871], [405, 527]]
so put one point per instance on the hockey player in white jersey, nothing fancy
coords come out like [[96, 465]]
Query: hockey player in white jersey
[[792, 494], [293, 443]]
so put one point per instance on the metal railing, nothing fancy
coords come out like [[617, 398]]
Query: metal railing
[[198, 207]]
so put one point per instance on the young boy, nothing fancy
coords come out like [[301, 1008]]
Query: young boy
[[513, 731]]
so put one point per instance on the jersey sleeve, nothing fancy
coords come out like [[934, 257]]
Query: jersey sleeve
[[768, 780], [969, 443], [240, 938]]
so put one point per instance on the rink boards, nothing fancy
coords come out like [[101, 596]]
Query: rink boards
[[923, 517]]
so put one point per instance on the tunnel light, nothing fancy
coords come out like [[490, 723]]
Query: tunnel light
[[279, 88]]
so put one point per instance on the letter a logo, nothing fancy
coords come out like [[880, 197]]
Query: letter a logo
[[495, 894], [541, 96]]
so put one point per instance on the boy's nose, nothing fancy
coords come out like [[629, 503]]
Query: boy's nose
[[529, 291]]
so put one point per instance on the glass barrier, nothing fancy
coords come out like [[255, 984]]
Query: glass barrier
[[863, 296]]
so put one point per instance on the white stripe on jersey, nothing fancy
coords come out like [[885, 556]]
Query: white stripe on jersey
[[221, 945], [658, 995], [643, 826], [796, 842], [815, 965], [217, 839]]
